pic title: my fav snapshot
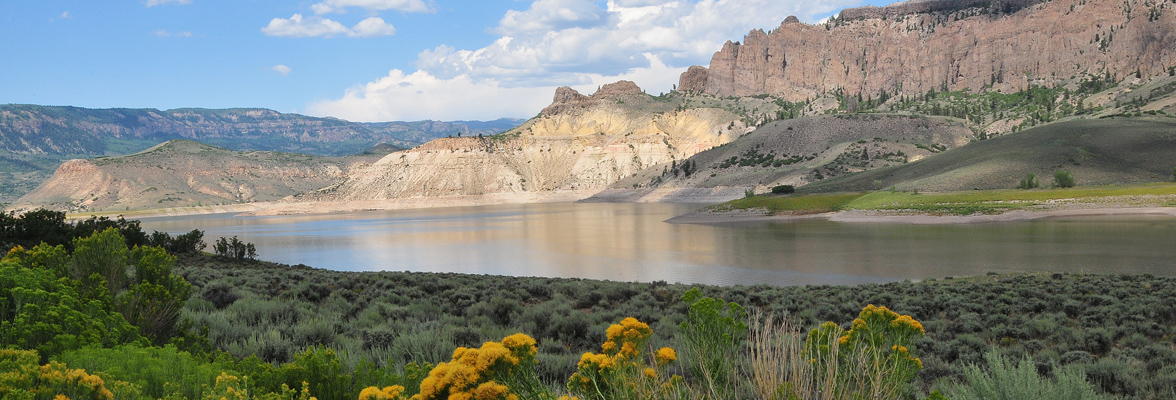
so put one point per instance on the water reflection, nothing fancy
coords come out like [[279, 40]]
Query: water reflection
[[629, 242]]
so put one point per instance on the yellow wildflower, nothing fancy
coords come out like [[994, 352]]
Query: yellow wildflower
[[665, 355], [650, 372], [491, 391]]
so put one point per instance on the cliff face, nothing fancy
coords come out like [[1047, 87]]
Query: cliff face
[[579, 143], [932, 45]]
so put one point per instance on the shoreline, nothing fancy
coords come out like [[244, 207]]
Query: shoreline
[[172, 211], [741, 217], [336, 207]]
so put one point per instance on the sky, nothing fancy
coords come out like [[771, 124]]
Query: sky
[[364, 60]]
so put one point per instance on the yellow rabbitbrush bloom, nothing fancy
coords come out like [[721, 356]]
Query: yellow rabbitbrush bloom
[[23, 378], [623, 339], [493, 391], [665, 355], [57, 376], [389, 393], [621, 371], [472, 373]]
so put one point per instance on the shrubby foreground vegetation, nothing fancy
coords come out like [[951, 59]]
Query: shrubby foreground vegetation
[[103, 314]]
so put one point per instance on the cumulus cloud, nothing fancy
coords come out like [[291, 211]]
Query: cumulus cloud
[[553, 40], [339, 6], [153, 3], [165, 33], [299, 26], [65, 15], [552, 15], [579, 43], [421, 95], [281, 69]]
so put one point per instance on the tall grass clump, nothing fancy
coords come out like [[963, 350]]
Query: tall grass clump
[[872, 360], [1005, 381]]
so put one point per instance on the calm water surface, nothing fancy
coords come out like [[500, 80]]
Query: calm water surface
[[629, 242]]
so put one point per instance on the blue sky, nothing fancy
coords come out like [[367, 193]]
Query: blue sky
[[365, 60]]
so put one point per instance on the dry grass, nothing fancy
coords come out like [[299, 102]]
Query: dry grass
[[783, 369]]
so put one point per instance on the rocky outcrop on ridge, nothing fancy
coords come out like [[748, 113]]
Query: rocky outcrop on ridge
[[568, 99], [915, 47]]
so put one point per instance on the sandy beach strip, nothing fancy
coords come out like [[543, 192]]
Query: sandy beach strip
[[742, 217]]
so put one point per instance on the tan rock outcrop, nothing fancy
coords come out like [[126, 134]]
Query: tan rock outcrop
[[915, 47], [579, 144], [181, 173]]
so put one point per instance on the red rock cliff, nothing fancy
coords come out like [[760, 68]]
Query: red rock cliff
[[920, 46]]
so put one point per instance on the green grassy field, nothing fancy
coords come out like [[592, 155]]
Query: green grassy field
[[795, 205], [958, 203]]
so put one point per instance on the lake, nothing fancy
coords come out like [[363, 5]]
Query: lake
[[629, 242]]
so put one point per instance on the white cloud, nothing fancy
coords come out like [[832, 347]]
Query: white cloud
[[374, 26], [579, 43], [65, 15], [281, 69], [299, 26], [153, 3], [420, 95], [165, 33], [553, 40], [552, 15], [340, 6]]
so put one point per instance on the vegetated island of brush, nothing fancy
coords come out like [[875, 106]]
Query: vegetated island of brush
[[98, 309]]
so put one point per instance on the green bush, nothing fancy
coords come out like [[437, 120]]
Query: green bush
[[188, 243], [1005, 381], [159, 372], [1029, 182], [235, 249], [783, 189], [713, 334], [1063, 179], [40, 312]]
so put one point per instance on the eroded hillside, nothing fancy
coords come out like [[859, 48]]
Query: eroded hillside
[[577, 146], [794, 152], [182, 173]]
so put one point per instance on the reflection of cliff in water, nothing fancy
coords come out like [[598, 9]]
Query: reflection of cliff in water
[[629, 242]]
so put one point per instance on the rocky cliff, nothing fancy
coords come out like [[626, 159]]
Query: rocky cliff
[[918, 46], [578, 145]]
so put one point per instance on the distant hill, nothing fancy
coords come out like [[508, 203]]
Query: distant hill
[[75, 131], [181, 173], [1096, 151], [35, 139]]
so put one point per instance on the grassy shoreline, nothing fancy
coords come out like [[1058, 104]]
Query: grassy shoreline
[[963, 203]]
